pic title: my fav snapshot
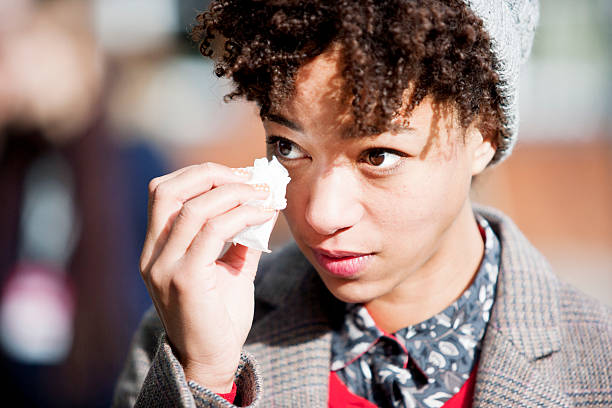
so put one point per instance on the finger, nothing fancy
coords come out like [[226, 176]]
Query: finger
[[208, 243], [170, 193], [154, 183], [166, 198], [158, 180], [197, 211]]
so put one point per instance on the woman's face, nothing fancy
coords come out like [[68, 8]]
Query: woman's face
[[369, 212]]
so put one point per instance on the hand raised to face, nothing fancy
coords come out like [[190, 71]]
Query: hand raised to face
[[204, 301]]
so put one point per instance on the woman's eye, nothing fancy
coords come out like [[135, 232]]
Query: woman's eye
[[285, 149], [381, 158]]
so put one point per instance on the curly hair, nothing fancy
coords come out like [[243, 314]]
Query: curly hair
[[435, 48]]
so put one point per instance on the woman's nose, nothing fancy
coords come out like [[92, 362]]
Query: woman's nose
[[333, 203]]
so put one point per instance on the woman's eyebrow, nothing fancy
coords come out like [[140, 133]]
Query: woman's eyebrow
[[281, 120]]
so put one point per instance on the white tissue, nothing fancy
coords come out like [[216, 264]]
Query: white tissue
[[276, 177]]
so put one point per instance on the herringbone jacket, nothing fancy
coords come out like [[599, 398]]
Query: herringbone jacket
[[546, 345]]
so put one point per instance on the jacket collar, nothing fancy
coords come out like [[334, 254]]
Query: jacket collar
[[526, 309], [524, 325]]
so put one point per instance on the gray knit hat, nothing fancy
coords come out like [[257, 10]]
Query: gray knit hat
[[511, 25]]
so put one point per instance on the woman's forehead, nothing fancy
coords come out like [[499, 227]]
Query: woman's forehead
[[420, 140], [320, 80], [432, 132]]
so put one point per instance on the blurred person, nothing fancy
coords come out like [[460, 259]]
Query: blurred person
[[63, 279], [398, 291]]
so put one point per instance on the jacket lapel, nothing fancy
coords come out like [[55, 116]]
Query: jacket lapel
[[523, 333], [506, 377]]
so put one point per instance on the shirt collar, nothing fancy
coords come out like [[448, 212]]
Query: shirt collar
[[464, 320]]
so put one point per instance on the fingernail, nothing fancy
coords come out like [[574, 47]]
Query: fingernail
[[241, 172], [262, 187]]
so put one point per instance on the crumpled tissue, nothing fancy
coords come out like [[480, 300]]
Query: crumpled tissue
[[276, 177]]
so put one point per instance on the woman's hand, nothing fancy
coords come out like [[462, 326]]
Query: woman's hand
[[205, 302]]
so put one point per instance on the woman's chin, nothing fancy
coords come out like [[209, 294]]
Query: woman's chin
[[352, 291]]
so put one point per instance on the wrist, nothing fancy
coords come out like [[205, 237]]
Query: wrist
[[217, 380]]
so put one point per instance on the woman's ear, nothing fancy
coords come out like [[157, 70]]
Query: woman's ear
[[482, 150]]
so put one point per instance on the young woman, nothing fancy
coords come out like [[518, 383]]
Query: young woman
[[397, 291]]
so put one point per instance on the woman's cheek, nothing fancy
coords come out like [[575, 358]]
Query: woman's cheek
[[419, 204], [296, 196]]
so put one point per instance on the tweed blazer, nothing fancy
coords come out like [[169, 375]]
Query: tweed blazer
[[546, 345]]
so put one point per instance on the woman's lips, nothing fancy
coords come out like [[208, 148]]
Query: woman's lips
[[341, 263]]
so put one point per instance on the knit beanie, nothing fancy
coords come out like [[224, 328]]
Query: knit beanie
[[511, 26]]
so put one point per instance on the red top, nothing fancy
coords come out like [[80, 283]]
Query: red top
[[230, 396], [341, 397]]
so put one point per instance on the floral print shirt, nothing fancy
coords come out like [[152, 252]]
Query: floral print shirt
[[422, 365]]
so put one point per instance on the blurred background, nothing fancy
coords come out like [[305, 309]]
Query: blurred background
[[99, 96]]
